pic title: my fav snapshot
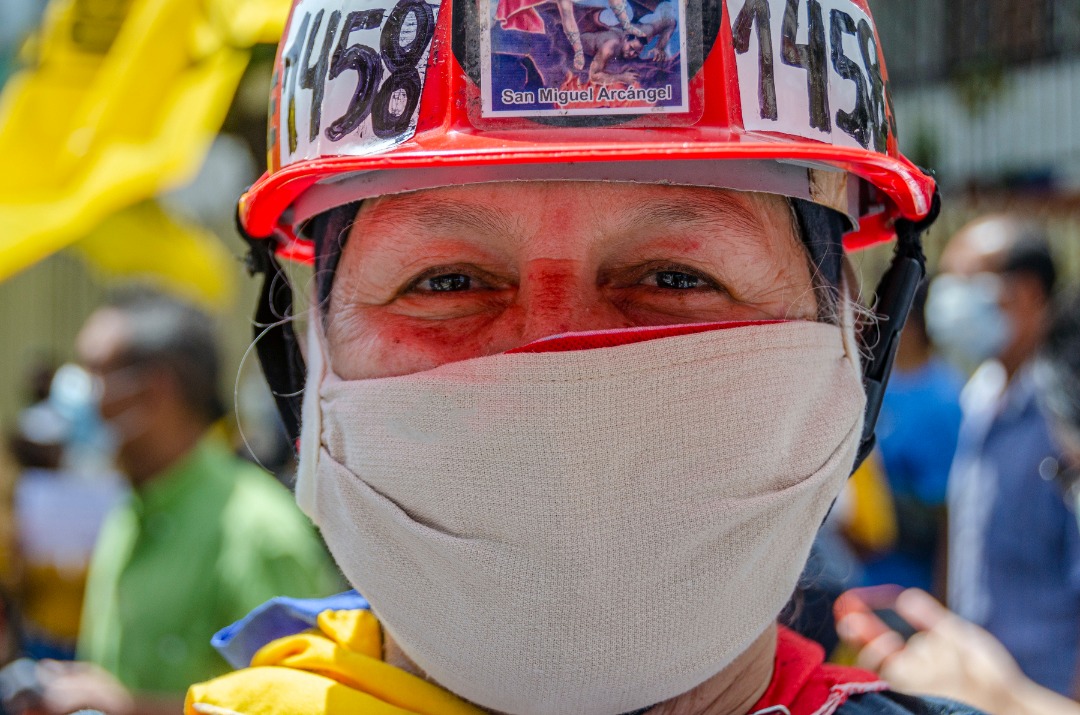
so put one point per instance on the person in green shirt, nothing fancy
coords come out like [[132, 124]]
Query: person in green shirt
[[205, 536]]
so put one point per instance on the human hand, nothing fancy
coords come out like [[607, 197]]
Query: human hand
[[949, 657], [68, 687], [657, 54]]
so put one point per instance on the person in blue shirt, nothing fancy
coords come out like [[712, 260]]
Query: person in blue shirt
[[1014, 562], [917, 431], [954, 658]]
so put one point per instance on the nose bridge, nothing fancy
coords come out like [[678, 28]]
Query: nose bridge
[[559, 296]]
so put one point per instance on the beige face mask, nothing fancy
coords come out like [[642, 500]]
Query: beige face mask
[[586, 532]]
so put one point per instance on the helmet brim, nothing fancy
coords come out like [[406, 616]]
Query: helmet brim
[[269, 207]]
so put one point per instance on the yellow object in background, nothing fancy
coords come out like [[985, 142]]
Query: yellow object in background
[[870, 523], [250, 22], [121, 104], [145, 241], [53, 601]]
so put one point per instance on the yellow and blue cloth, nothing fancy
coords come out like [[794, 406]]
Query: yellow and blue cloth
[[315, 657], [324, 657]]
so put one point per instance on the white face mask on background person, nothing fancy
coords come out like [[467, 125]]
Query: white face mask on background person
[[964, 317], [588, 532], [74, 403]]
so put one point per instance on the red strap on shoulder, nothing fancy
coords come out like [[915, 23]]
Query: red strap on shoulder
[[805, 685]]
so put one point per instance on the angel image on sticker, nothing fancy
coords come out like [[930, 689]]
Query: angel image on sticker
[[521, 15], [583, 57]]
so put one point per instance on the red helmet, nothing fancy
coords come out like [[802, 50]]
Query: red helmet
[[375, 97], [787, 96]]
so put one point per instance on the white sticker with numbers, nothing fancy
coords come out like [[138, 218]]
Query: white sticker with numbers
[[811, 68], [351, 73]]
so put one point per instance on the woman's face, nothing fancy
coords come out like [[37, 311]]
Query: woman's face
[[450, 274]]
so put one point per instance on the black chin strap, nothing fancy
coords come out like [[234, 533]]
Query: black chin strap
[[894, 296], [275, 340]]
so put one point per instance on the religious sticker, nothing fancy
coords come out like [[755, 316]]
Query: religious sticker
[[583, 57]]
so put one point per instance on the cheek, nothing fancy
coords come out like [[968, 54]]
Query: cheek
[[378, 343], [644, 306]]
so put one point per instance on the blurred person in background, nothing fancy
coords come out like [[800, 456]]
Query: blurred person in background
[[952, 657], [65, 486], [204, 537], [1014, 547], [14, 454], [917, 432]]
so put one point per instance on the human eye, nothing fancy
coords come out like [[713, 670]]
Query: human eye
[[444, 283], [452, 279], [665, 292], [677, 278]]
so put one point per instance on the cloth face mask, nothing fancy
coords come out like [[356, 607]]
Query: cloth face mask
[[964, 319], [588, 532]]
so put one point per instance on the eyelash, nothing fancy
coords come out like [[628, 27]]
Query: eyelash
[[470, 272], [477, 278], [653, 269]]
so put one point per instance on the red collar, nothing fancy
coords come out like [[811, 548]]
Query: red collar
[[803, 684]]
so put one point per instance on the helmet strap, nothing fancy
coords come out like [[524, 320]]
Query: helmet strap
[[275, 340], [894, 297]]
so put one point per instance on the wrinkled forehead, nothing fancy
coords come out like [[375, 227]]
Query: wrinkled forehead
[[518, 215]]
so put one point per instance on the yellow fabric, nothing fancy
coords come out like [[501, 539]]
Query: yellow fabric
[[871, 520], [145, 241], [121, 102], [337, 669], [249, 22]]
